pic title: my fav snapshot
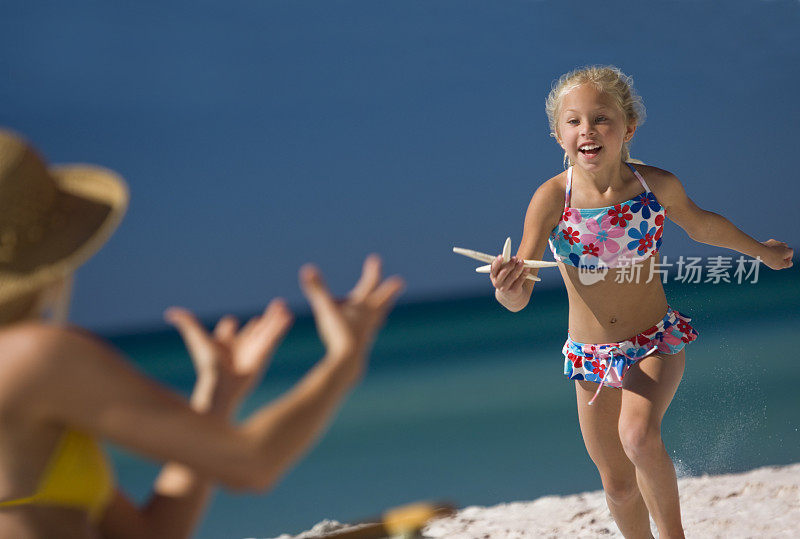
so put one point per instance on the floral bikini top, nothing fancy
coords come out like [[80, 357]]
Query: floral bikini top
[[611, 236]]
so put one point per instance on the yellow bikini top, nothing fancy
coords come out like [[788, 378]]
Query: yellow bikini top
[[77, 475]]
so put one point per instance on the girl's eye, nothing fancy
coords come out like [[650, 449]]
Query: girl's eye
[[601, 118], [572, 122]]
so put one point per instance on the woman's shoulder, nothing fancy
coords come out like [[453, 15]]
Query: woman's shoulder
[[37, 338], [33, 353]]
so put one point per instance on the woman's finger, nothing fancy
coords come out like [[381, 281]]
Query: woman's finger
[[193, 333], [225, 330], [386, 293], [269, 331], [315, 290], [370, 277]]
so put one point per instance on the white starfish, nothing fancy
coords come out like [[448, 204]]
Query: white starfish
[[483, 257]]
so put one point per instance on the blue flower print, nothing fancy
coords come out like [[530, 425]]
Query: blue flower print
[[591, 377], [574, 253], [642, 238], [637, 352], [587, 262], [646, 202]]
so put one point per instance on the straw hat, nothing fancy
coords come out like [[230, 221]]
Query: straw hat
[[53, 219]]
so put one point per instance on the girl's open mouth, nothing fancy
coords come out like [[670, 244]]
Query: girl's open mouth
[[590, 150]]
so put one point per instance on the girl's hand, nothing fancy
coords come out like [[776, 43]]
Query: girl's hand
[[507, 277], [778, 254], [347, 327], [230, 362]]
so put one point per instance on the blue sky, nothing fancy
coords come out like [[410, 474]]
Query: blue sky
[[257, 136]]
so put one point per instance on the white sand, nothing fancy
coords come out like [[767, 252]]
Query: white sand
[[761, 503]]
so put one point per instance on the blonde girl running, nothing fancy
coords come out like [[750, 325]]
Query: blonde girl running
[[603, 218]]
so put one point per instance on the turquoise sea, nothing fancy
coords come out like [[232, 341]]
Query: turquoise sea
[[466, 402]]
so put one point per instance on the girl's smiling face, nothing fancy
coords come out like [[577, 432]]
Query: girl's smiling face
[[592, 128]]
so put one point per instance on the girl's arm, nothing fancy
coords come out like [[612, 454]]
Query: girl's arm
[[70, 378], [512, 289], [713, 229]]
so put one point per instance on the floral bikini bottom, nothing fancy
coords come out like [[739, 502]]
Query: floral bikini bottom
[[606, 364]]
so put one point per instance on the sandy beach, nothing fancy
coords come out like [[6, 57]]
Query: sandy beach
[[762, 503]]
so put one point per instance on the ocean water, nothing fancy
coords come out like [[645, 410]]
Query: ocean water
[[465, 402]]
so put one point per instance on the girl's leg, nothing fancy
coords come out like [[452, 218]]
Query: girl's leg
[[599, 428], [648, 388]]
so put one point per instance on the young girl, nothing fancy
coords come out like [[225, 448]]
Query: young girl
[[603, 218]]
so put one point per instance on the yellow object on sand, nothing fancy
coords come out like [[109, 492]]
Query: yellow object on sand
[[409, 518]]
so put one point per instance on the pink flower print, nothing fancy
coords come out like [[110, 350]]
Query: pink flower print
[[570, 235], [571, 215], [671, 339], [620, 215], [590, 349], [684, 327], [602, 235]]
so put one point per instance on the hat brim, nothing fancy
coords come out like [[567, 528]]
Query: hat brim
[[89, 204]]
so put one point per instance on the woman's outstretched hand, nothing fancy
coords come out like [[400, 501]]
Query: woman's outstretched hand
[[230, 361], [348, 326], [779, 254]]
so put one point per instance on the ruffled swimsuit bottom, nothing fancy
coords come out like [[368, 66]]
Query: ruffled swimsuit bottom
[[606, 364]]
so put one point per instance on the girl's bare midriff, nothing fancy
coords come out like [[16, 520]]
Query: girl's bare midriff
[[609, 311]]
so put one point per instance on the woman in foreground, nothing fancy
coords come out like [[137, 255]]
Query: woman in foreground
[[603, 219], [62, 389]]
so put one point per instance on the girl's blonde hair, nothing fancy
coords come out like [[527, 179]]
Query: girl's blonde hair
[[607, 79]]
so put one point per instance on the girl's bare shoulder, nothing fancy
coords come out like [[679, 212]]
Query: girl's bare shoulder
[[667, 188], [551, 192], [654, 175], [546, 205]]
